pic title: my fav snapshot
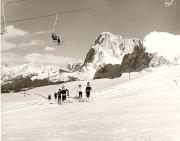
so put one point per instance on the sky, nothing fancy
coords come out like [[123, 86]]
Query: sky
[[30, 41]]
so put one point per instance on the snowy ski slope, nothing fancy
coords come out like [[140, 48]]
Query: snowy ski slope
[[144, 108]]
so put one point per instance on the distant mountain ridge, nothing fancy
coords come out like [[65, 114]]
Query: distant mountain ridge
[[109, 57], [32, 75]]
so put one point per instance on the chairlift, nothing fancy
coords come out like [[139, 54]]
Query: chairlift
[[169, 3], [54, 36]]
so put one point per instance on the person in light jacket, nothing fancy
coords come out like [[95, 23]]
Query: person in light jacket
[[79, 91]]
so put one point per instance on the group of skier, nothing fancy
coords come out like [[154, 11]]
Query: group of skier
[[87, 90], [63, 93]]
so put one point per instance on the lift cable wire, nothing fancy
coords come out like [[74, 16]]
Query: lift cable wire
[[11, 2], [56, 18], [65, 12], [3, 14], [32, 18]]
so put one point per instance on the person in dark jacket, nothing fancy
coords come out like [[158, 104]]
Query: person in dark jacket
[[54, 37], [88, 91], [64, 93], [49, 97], [59, 96], [55, 95]]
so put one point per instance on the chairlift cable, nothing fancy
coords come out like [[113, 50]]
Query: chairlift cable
[[32, 18], [65, 12], [11, 2], [3, 13], [55, 23]]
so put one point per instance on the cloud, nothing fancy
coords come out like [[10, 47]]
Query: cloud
[[49, 59], [36, 58], [164, 44], [40, 32], [11, 58], [6, 45], [31, 43], [12, 32], [49, 48]]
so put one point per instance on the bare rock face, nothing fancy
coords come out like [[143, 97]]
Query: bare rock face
[[74, 67], [136, 61], [158, 61], [108, 71], [132, 62], [90, 56]]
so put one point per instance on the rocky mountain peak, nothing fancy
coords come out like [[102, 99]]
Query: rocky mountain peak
[[108, 49]]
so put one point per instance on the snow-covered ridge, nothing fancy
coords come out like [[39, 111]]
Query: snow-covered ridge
[[9, 73], [111, 48]]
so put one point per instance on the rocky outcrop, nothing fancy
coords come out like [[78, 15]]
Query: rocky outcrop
[[74, 67], [157, 61], [136, 61], [108, 71]]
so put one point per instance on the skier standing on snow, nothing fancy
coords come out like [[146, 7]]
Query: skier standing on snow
[[49, 97], [59, 96], [64, 93], [79, 91], [88, 91]]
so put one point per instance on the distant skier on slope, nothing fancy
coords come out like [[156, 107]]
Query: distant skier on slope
[[88, 91], [49, 97], [55, 95], [59, 96]]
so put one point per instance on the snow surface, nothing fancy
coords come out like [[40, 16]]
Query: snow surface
[[144, 108]]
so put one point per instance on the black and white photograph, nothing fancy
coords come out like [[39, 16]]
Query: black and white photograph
[[90, 70]]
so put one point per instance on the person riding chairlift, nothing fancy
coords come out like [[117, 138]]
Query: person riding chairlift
[[59, 41], [56, 39]]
